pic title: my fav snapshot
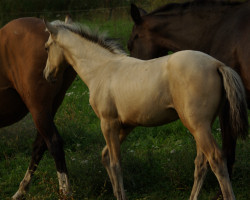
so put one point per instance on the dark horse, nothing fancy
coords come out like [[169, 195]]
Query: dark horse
[[23, 89], [217, 28]]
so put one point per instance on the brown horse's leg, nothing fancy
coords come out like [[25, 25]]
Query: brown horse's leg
[[199, 173], [111, 131], [228, 141], [47, 137], [39, 148], [229, 147], [207, 144], [46, 127]]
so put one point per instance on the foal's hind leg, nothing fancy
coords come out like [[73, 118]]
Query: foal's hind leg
[[228, 148], [199, 173], [207, 144], [39, 148]]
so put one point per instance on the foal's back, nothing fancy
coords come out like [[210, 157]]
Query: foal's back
[[185, 82]]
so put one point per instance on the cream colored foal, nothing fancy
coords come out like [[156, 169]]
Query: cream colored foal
[[126, 92]]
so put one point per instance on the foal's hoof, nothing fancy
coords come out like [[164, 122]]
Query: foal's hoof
[[218, 196], [18, 196], [65, 196]]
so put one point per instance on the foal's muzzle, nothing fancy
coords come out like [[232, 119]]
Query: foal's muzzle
[[51, 79], [49, 75]]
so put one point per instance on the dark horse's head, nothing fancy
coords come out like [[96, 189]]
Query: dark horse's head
[[145, 41]]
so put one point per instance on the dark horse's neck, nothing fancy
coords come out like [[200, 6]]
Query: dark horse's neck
[[192, 25]]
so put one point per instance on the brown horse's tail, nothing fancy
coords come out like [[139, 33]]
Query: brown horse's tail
[[234, 112]]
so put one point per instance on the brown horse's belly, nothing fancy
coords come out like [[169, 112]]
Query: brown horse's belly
[[12, 108]]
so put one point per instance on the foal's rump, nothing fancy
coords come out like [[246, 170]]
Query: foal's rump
[[198, 84]]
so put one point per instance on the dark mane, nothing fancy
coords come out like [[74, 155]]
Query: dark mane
[[193, 4], [94, 36]]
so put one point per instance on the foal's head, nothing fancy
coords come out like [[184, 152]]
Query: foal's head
[[56, 61]]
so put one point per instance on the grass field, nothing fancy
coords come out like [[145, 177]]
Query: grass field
[[158, 163]]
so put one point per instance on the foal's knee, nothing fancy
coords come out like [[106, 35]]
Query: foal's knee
[[200, 166], [218, 163]]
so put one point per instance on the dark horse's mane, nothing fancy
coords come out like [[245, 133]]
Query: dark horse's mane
[[94, 36], [192, 4]]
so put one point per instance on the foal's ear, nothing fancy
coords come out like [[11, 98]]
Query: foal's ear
[[50, 28], [137, 13], [68, 20]]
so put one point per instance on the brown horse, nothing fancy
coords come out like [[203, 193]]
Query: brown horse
[[219, 29], [23, 89]]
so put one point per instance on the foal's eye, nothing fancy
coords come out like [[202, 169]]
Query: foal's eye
[[136, 37], [47, 49]]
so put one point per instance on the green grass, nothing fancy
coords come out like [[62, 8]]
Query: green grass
[[158, 163]]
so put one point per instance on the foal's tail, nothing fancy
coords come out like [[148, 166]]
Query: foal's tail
[[234, 112]]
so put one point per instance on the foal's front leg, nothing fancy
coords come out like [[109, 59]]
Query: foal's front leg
[[105, 153], [111, 130]]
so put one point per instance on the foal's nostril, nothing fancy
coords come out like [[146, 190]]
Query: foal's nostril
[[49, 76], [51, 79], [129, 46]]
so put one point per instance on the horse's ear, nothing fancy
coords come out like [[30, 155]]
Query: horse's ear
[[50, 28], [142, 12], [137, 13], [68, 19]]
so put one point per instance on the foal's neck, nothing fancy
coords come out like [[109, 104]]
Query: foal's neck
[[86, 57]]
